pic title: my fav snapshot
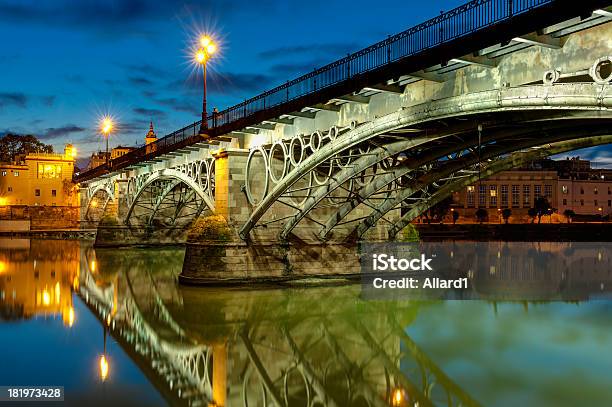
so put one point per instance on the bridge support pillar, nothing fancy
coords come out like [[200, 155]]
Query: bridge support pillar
[[121, 202], [230, 201]]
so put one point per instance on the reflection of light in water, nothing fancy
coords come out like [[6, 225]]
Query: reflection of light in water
[[46, 298], [3, 267], [108, 319], [103, 367], [68, 317], [398, 397], [57, 292]]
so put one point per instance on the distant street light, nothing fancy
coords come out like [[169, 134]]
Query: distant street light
[[205, 52], [106, 127]]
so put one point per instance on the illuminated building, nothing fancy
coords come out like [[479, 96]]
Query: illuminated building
[[39, 179], [566, 184]]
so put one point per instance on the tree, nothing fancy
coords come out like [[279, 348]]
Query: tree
[[12, 145], [506, 213], [569, 215], [542, 207], [439, 210], [482, 215], [533, 213], [455, 217]]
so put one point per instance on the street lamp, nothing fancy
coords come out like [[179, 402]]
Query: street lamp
[[106, 127], [206, 49]]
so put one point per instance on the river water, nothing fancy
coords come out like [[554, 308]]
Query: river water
[[113, 327]]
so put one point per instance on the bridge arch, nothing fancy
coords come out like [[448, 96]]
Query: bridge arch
[[168, 190], [97, 201], [407, 133]]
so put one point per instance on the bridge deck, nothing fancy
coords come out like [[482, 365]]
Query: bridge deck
[[465, 30]]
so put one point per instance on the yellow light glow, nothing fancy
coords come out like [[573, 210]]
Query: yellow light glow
[[46, 298], [57, 292], [69, 317], [92, 266], [211, 48], [108, 319], [397, 397], [205, 40], [106, 125], [94, 204], [3, 201], [75, 283], [103, 367], [200, 56], [3, 267]]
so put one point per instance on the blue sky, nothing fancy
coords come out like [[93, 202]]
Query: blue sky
[[65, 63]]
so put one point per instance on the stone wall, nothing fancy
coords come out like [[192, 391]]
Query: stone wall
[[43, 217], [239, 263]]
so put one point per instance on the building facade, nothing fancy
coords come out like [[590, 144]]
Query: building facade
[[39, 179], [566, 184]]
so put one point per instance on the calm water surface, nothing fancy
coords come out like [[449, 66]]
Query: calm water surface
[[114, 328]]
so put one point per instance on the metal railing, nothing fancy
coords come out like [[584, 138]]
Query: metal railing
[[459, 22]]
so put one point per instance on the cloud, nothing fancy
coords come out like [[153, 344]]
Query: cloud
[[179, 105], [150, 113], [48, 100], [140, 81], [56, 132], [232, 83], [333, 50], [147, 69], [13, 99]]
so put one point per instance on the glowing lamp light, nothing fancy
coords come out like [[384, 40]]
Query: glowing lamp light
[[3, 201], [103, 367], [205, 41], [211, 48], [3, 267], [106, 126], [200, 56]]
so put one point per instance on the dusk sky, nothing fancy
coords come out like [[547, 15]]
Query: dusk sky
[[66, 63]]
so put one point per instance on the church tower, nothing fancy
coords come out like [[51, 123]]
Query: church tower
[[151, 136]]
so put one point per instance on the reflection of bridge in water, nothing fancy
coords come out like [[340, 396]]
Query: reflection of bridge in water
[[268, 347], [298, 346]]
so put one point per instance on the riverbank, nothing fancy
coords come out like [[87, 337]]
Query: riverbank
[[55, 234], [529, 232]]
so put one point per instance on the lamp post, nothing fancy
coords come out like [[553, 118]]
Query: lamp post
[[204, 53], [106, 127]]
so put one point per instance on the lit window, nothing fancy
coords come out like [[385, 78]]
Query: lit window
[[4, 173], [49, 171], [493, 190], [470, 188], [595, 191], [16, 173], [564, 189]]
